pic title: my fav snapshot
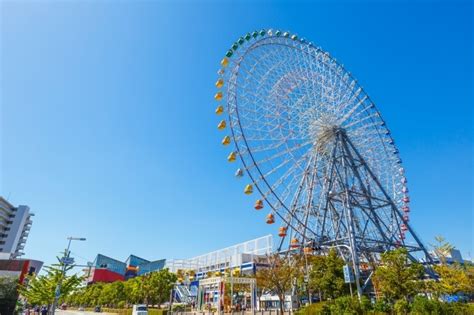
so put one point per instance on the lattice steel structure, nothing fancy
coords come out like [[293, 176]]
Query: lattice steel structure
[[315, 148]]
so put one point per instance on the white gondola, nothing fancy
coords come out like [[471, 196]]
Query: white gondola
[[239, 172]]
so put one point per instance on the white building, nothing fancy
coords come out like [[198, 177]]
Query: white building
[[244, 256], [15, 224]]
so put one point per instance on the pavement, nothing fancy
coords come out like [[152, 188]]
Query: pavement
[[73, 312]]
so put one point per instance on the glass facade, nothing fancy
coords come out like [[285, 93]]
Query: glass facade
[[151, 266], [104, 262], [135, 261]]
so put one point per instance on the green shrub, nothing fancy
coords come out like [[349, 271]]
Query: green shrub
[[128, 311], [121, 304], [382, 306], [316, 308], [401, 307], [346, 305], [179, 308], [365, 304]]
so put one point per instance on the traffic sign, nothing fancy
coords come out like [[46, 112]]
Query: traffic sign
[[348, 274], [67, 260]]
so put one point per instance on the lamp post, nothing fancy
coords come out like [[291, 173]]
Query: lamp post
[[65, 261]]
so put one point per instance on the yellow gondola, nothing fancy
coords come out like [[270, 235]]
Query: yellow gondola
[[221, 125], [248, 189], [270, 219], [231, 157], [219, 110], [258, 204], [308, 250], [218, 96], [226, 140], [224, 62], [219, 83]]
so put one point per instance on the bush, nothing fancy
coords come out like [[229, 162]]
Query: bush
[[316, 308], [128, 311], [341, 305], [401, 307], [424, 306], [365, 304], [382, 306]]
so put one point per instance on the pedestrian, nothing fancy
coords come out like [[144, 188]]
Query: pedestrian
[[44, 310]]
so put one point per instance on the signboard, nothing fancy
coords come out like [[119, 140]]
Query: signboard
[[67, 260], [348, 274]]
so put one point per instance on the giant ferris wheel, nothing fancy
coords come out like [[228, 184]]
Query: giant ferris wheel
[[313, 149]]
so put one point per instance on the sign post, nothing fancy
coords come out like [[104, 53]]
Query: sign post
[[348, 276]]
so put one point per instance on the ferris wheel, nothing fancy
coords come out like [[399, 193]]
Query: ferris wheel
[[312, 148]]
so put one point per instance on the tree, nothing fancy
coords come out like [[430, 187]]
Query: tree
[[279, 276], [442, 248], [152, 288], [8, 294], [41, 289], [396, 278], [157, 286], [453, 279], [327, 275]]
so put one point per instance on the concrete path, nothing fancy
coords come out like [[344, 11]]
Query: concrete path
[[59, 312]]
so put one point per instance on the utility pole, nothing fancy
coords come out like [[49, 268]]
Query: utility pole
[[64, 261]]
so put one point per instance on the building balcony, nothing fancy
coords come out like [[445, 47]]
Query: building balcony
[[4, 215], [17, 254]]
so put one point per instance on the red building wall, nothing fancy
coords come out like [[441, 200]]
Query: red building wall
[[104, 275]]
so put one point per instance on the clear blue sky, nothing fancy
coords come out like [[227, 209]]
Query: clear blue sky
[[108, 130]]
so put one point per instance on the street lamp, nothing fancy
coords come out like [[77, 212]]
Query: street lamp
[[65, 261]]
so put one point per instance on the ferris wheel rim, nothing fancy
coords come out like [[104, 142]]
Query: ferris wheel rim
[[249, 49], [281, 200]]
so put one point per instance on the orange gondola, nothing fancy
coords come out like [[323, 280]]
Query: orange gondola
[[219, 83], [282, 231], [222, 124], [258, 204], [294, 243], [219, 110], [226, 140], [270, 219]]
